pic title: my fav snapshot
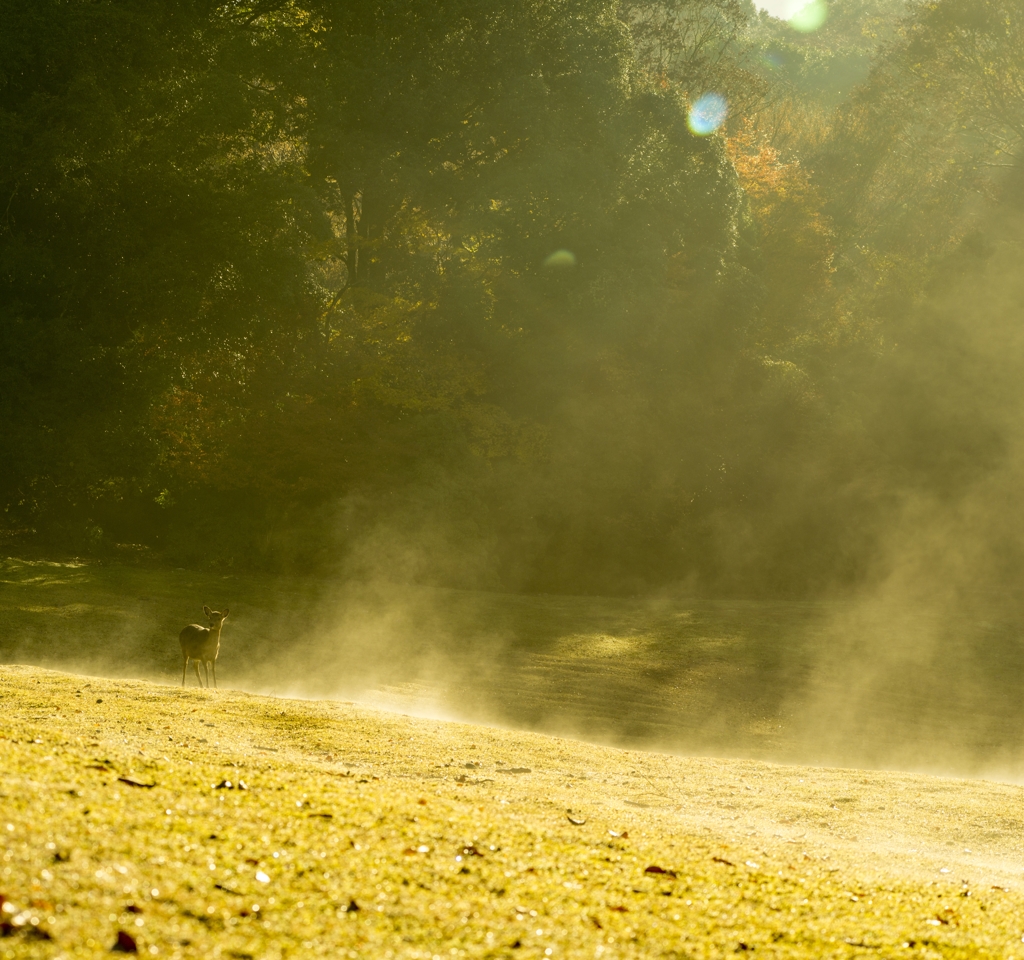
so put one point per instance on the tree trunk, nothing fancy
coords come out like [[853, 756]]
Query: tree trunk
[[352, 238]]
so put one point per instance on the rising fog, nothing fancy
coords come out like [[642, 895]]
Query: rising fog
[[645, 372]]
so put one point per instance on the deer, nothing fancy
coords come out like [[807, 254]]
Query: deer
[[201, 645]]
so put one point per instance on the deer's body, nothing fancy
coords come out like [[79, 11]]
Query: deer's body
[[202, 645]]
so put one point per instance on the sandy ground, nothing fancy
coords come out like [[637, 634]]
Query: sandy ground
[[366, 833]]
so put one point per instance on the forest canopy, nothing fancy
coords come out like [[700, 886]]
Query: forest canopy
[[470, 293]]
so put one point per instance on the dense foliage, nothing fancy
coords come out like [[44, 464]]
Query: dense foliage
[[453, 292]]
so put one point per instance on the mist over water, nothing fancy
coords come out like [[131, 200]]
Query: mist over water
[[919, 666], [871, 682]]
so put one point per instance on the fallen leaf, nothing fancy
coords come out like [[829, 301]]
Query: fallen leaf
[[728, 863], [578, 822], [515, 770], [656, 869], [135, 783], [125, 943], [19, 924]]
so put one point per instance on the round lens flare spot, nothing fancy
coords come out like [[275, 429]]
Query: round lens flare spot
[[561, 259], [708, 113], [809, 18]]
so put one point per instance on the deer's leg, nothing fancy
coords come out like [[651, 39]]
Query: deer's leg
[[206, 671], [184, 667], [195, 666], [213, 666]]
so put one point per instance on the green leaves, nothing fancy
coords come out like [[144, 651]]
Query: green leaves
[[260, 259]]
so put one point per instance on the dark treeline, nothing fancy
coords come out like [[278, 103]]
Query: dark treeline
[[452, 292]]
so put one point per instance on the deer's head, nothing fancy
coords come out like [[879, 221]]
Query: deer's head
[[216, 617]]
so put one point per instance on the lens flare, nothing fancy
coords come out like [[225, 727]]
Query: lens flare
[[809, 18], [708, 113], [561, 258]]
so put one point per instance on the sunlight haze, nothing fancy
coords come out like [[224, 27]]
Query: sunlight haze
[[520, 442], [783, 9]]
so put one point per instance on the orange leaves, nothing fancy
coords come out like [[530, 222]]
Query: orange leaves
[[794, 243], [782, 197], [184, 424]]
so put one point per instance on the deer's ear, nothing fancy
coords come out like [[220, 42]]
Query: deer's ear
[[225, 613], [207, 610]]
